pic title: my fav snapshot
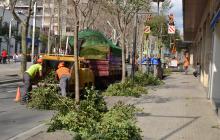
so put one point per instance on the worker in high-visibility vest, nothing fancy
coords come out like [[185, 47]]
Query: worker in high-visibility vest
[[63, 74], [33, 73]]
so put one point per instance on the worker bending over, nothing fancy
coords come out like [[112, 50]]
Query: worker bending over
[[33, 73], [63, 74]]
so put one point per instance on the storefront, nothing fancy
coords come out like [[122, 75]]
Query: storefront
[[214, 88]]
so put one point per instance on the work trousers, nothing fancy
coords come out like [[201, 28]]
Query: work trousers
[[4, 60], [64, 84], [27, 86]]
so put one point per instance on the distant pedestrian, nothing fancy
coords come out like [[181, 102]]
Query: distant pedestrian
[[63, 74], [33, 73], [186, 64], [197, 70], [15, 57], [4, 56]]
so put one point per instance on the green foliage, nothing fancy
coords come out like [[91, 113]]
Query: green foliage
[[119, 124], [145, 79], [50, 77], [91, 120], [43, 97], [167, 71], [133, 89], [125, 89], [82, 119]]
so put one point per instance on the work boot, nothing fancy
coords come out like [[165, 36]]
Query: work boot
[[24, 100]]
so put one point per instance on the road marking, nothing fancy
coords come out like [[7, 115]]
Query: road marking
[[11, 91], [26, 132], [7, 84]]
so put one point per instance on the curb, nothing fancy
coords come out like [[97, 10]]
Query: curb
[[30, 133], [10, 81]]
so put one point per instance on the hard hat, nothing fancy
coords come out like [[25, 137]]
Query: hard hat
[[40, 60], [61, 64]]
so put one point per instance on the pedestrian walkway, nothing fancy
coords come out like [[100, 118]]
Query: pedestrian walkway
[[10, 72], [179, 110]]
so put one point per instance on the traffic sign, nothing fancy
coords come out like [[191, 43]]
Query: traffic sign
[[171, 29], [147, 29]]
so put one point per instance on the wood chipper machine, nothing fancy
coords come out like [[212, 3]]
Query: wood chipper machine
[[86, 75]]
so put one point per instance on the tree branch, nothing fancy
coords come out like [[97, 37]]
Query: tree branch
[[12, 7]]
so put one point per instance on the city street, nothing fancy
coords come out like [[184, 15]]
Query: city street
[[15, 118], [83, 57]]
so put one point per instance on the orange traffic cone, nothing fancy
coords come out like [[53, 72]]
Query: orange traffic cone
[[18, 95]]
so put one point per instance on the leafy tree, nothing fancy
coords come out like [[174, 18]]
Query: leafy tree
[[123, 12], [159, 25]]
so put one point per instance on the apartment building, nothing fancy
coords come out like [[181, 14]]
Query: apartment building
[[202, 29], [59, 13], [21, 9]]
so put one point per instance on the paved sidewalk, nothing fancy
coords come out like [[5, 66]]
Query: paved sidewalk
[[178, 110], [10, 72]]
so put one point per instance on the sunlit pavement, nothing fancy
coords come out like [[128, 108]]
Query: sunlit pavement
[[178, 110]]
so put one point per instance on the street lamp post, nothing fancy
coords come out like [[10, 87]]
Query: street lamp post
[[158, 5], [33, 34], [158, 11], [9, 37]]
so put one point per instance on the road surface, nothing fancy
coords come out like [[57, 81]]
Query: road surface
[[16, 118]]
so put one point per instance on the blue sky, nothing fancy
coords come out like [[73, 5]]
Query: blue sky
[[177, 11]]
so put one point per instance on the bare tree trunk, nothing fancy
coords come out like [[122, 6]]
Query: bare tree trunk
[[25, 25], [59, 25], [123, 57], [76, 54], [24, 48]]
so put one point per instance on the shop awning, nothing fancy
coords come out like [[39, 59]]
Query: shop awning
[[215, 19]]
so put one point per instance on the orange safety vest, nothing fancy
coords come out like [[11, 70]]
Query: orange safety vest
[[63, 71]]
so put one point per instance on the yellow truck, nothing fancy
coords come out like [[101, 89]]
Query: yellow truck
[[86, 75]]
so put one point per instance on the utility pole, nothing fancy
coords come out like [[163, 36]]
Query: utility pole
[[9, 37], [33, 34], [59, 26], [49, 32]]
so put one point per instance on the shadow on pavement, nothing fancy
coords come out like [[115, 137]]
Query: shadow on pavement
[[180, 128], [152, 99]]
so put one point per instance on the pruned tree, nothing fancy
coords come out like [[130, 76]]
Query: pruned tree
[[88, 11], [24, 32], [75, 27], [123, 12]]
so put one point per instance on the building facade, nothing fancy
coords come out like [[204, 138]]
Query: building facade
[[202, 29], [60, 13], [21, 8]]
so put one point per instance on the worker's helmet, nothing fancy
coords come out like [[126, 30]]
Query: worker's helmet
[[61, 64], [40, 60]]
